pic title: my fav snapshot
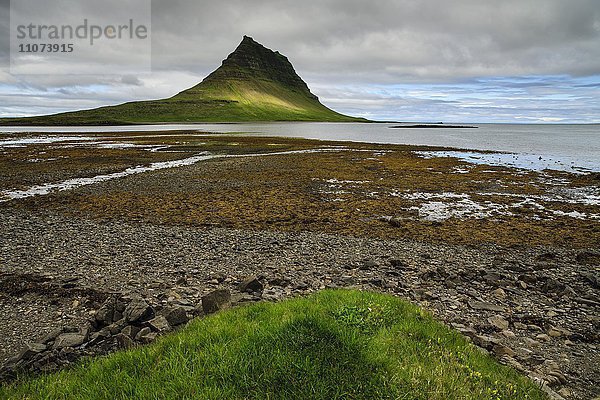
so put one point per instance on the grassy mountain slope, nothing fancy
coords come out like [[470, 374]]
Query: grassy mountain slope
[[332, 345], [253, 84]]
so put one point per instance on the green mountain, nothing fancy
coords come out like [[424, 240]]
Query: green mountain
[[252, 84]]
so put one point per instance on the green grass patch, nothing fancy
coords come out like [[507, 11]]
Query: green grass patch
[[336, 344]]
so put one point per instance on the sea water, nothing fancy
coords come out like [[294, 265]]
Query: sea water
[[573, 148]]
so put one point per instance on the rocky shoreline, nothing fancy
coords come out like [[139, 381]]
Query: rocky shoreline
[[508, 257], [121, 322], [72, 281]]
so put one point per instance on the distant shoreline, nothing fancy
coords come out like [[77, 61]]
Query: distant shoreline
[[421, 126]]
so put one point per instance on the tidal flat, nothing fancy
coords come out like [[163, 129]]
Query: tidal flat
[[303, 215], [372, 190]]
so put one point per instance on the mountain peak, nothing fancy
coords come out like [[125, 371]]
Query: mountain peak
[[249, 39], [248, 42], [253, 83], [252, 60]]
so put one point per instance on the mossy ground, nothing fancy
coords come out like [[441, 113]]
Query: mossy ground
[[332, 345], [345, 191]]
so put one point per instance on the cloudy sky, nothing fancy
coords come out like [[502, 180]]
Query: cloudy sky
[[432, 60]]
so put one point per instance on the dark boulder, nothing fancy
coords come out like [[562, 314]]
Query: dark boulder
[[250, 284], [138, 310], [216, 300], [175, 315]]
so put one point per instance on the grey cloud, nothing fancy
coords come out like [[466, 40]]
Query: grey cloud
[[337, 43], [131, 80], [383, 41], [391, 40], [4, 33]]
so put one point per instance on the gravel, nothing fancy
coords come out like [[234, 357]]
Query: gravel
[[56, 270]]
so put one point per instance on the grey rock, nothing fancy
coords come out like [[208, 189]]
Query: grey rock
[[368, 265], [509, 360], [565, 392], [499, 322], [85, 331], [117, 326], [148, 337], [376, 282], [299, 258], [533, 327], [36, 347], [120, 306], [143, 332], [30, 351], [70, 329], [552, 395], [531, 343], [553, 286], [467, 331], [543, 337], [68, 355], [519, 325], [47, 359], [251, 284], [245, 298], [482, 305], [487, 342], [529, 279], [508, 334], [425, 294], [522, 284], [502, 350], [130, 331], [138, 310], [301, 285], [102, 333], [557, 332], [534, 360], [216, 300], [160, 324], [98, 337], [494, 278], [104, 315], [52, 335], [547, 257], [69, 340], [396, 222], [176, 315], [429, 275], [558, 375], [279, 281], [124, 341]]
